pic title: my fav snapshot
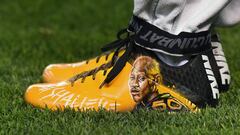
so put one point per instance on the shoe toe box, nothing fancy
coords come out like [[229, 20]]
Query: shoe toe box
[[57, 72], [32, 95]]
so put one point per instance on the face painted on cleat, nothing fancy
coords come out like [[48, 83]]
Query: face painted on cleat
[[139, 86], [143, 78]]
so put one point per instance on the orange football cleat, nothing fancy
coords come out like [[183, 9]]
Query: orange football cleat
[[135, 75], [137, 86]]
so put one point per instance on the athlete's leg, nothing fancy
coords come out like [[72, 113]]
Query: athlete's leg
[[175, 17]]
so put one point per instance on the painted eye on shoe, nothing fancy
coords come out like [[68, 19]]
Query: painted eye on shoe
[[141, 79]]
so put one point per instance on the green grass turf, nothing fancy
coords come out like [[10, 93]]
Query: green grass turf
[[35, 33]]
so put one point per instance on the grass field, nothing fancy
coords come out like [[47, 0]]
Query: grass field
[[35, 33]]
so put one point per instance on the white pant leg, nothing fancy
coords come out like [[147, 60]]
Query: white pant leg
[[175, 16], [160, 13], [230, 15]]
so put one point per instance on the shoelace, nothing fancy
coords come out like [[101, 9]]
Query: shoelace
[[94, 71], [117, 63], [104, 54]]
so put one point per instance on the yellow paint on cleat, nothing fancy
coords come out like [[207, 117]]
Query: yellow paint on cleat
[[61, 72], [83, 95], [86, 95]]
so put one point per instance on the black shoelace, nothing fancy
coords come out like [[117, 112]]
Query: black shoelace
[[117, 63]]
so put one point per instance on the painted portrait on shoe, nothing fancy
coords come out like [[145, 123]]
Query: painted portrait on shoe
[[144, 80]]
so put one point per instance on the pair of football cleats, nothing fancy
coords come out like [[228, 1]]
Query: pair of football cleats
[[125, 77]]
